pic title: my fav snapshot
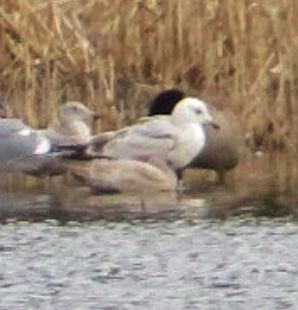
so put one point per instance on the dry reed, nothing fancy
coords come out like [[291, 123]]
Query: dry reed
[[113, 55]]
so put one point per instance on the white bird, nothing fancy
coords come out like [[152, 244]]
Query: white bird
[[170, 141], [222, 149]]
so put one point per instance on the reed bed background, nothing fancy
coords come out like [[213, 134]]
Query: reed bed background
[[114, 55]]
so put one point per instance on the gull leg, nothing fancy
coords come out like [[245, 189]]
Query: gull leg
[[220, 177], [180, 185]]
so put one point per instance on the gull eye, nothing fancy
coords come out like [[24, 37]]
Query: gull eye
[[75, 109], [199, 111]]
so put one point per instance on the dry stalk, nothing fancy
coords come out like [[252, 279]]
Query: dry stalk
[[57, 50]]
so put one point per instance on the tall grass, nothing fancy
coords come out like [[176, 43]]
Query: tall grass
[[113, 55]]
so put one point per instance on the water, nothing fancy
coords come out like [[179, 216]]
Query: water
[[209, 265], [260, 186], [219, 247]]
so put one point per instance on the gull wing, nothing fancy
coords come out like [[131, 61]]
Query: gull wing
[[11, 126], [146, 139], [18, 140]]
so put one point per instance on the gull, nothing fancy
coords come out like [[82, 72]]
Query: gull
[[221, 151], [125, 176], [72, 128], [167, 141], [39, 152], [26, 150]]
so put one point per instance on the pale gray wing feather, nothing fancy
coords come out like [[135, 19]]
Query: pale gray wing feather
[[28, 152], [18, 146], [153, 137], [10, 126], [14, 145]]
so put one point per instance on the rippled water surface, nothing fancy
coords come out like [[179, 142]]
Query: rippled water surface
[[245, 264], [217, 247]]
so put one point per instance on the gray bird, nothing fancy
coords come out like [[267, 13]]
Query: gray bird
[[24, 149], [72, 128], [39, 152]]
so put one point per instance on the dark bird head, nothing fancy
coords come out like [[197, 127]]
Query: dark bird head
[[164, 102]]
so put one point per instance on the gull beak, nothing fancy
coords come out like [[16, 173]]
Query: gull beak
[[96, 116], [212, 124]]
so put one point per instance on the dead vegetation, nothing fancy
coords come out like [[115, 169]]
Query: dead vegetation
[[113, 55]]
